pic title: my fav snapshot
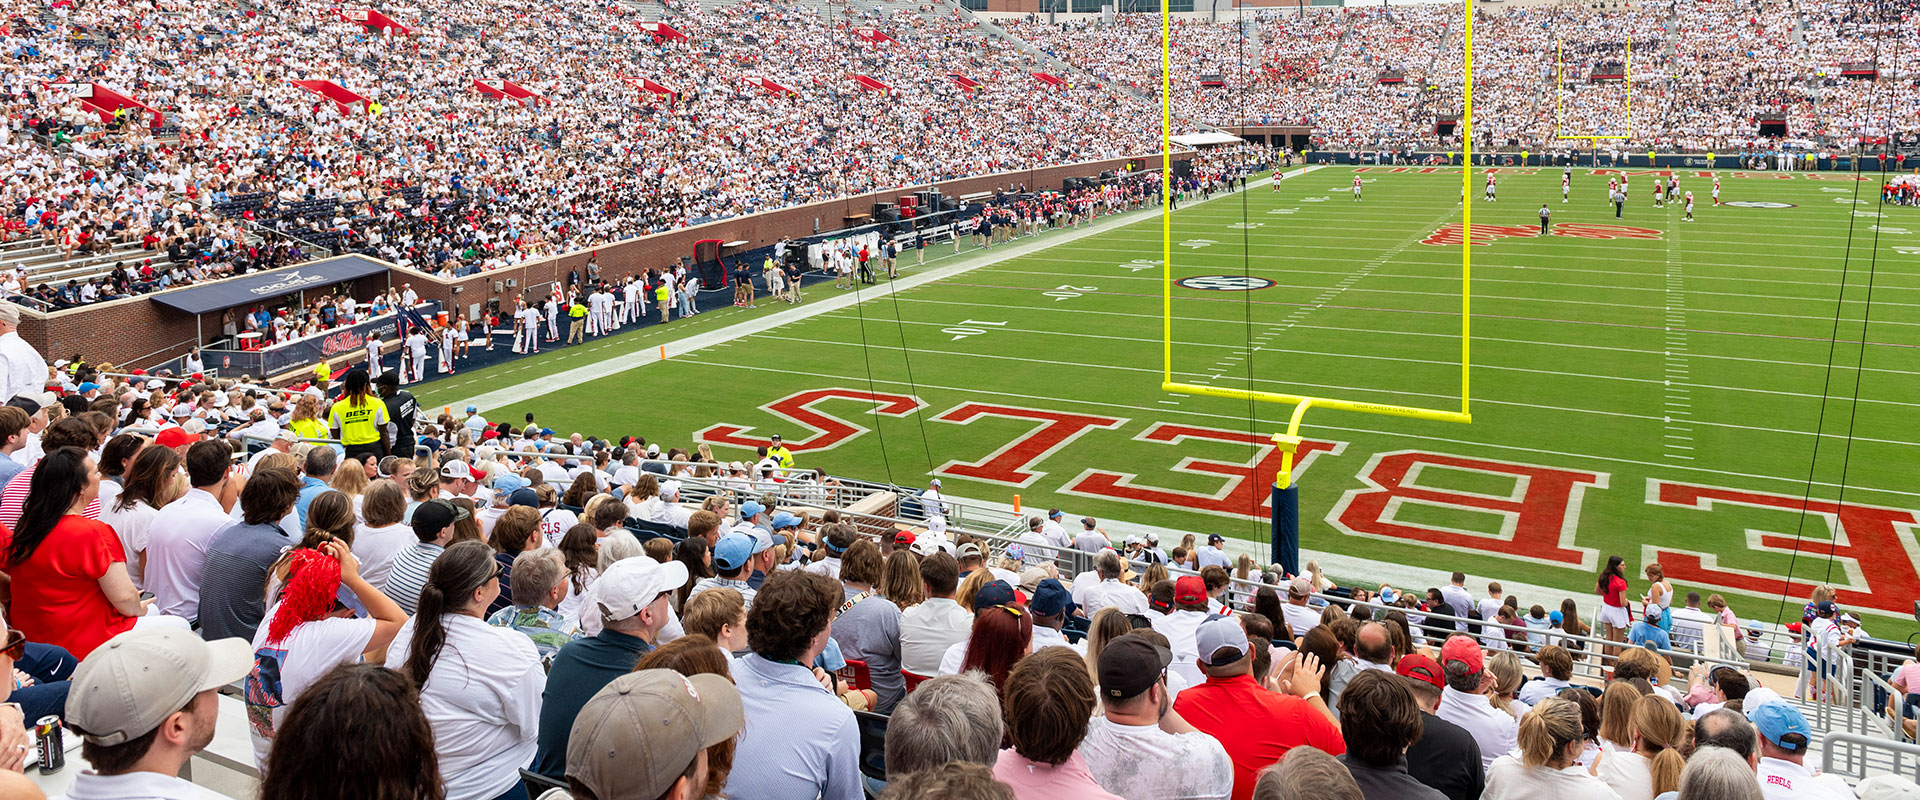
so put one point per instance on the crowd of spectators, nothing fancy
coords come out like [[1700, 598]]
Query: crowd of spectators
[[577, 608], [433, 174], [1701, 72]]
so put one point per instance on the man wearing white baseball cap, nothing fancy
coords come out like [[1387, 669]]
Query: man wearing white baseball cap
[[632, 598], [143, 704], [646, 735], [458, 479]]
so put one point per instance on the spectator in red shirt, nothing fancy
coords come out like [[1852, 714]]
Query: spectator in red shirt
[[1257, 724], [81, 594]]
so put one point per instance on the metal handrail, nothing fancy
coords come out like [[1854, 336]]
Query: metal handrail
[[1897, 758]]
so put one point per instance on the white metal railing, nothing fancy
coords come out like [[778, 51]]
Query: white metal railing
[[1853, 756]]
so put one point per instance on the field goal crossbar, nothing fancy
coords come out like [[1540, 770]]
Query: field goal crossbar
[[1289, 441], [1560, 81]]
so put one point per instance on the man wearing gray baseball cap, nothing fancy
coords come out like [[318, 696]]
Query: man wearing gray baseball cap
[[143, 703], [646, 735]]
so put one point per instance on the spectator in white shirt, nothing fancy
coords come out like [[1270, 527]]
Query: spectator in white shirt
[[1456, 595], [1055, 534], [1180, 624], [1556, 673], [178, 538], [929, 628], [384, 535], [1489, 606], [22, 369], [1784, 737], [1091, 539], [1551, 739], [1110, 591], [1652, 765], [1465, 701], [480, 685], [1299, 616], [1141, 748], [1212, 555]]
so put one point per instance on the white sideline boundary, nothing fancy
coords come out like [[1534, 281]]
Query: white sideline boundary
[[538, 387]]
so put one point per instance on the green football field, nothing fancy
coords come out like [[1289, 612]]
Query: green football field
[[1642, 386]]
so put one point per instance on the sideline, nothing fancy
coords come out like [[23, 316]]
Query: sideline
[[528, 390]]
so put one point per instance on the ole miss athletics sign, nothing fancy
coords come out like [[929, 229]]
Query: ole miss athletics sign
[[1533, 515]]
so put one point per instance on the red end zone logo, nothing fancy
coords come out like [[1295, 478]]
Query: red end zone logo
[[1486, 234], [1448, 503]]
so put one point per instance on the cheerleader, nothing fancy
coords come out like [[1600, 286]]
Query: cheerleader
[[446, 349], [373, 355]]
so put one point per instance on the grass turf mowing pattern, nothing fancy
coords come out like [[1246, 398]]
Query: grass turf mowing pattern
[[1699, 357]]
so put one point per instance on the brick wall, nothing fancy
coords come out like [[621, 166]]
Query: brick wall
[[136, 332]]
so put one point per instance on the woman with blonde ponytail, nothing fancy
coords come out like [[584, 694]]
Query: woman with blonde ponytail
[[1551, 738], [480, 685], [1653, 764]]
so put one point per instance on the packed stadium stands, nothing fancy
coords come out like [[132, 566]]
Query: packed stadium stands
[[736, 112]]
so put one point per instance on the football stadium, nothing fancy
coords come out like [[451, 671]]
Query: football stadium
[[955, 399]]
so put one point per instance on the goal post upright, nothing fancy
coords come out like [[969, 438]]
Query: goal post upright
[[1285, 498]]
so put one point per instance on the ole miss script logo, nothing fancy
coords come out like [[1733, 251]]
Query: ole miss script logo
[[1485, 234], [1532, 511]]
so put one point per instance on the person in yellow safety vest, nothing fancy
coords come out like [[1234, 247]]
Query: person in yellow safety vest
[[359, 419], [780, 453], [374, 108], [322, 374], [663, 295], [578, 313]]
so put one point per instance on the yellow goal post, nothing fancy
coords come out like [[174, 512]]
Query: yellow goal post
[[1290, 440]]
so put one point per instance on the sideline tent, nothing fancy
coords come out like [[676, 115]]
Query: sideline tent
[[332, 91], [260, 287]]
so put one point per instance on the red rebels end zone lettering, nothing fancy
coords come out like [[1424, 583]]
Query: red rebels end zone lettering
[[1537, 518], [1486, 234], [1248, 493], [829, 431], [1009, 464], [1873, 546]]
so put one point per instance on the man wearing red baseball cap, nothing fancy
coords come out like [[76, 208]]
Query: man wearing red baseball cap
[[1445, 756], [1466, 700], [1179, 625]]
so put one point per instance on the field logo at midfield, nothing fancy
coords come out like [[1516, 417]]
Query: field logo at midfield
[[1757, 204], [1009, 465], [1225, 283], [828, 430], [1873, 546], [1486, 234], [1247, 492], [1536, 518]]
